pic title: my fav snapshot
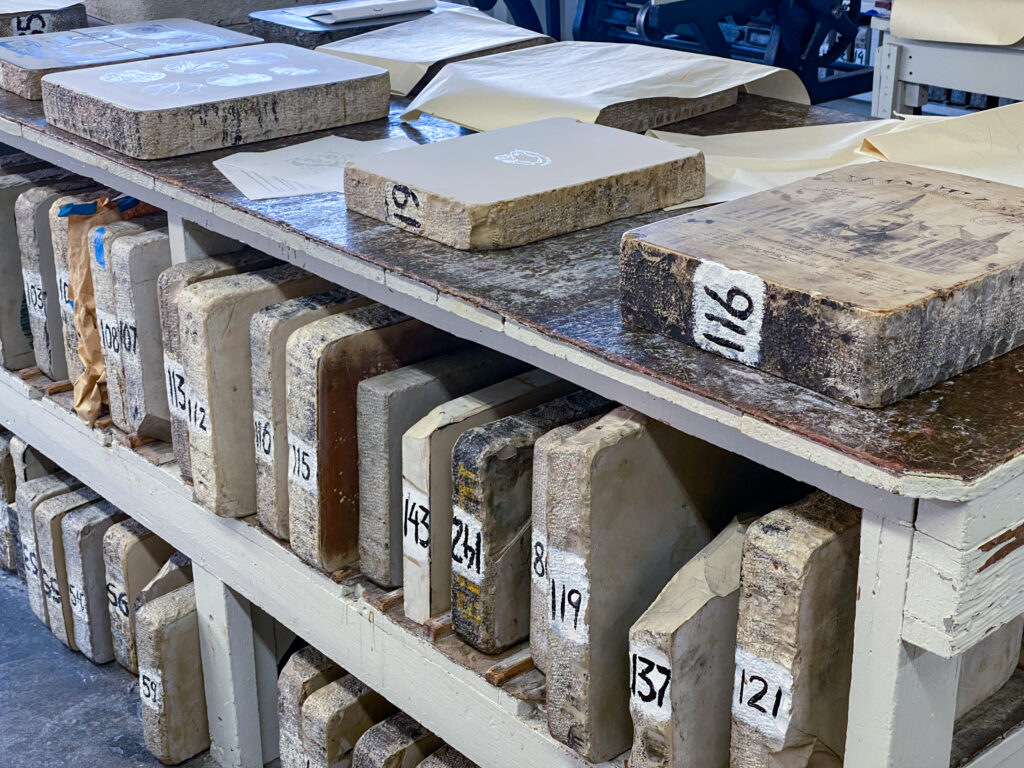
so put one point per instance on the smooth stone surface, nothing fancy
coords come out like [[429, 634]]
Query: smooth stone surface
[[42, 19], [137, 262], [633, 501], [228, 13], [10, 543], [183, 104], [398, 742], [798, 595], [866, 284], [682, 656], [49, 516], [83, 530], [542, 499], [214, 321], [170, 284], [515, 185], [45, 280], [283, 26], [116, 336], [335, 717], [306, 671], [269, 330], [132, 556], [171, 677], [427, 482], [388, 405], [492, 486], [25, 61], [30, 495], [326, 361]]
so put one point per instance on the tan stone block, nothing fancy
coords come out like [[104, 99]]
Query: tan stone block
[[398, 742], [306, 671], [335, 717]]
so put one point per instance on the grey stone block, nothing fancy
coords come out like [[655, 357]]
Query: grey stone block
[[446, 757], [492, 486], [175, 106], [283, 26], [305, 672], [42, 19], [335, 717], [10, 544], [542, 179], [866, 284], [397, 742], [228, 13], [388, 405]]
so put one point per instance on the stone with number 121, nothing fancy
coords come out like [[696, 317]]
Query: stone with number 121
[[524, 183], [867, 284]]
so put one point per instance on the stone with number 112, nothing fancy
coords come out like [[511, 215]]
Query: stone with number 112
[[867, 284]]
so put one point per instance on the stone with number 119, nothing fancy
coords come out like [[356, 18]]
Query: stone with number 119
[[867, 284]]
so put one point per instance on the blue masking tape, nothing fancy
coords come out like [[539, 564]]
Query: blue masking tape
[[97, 246]]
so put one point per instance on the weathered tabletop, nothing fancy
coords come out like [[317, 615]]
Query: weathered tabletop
[[567, 288]]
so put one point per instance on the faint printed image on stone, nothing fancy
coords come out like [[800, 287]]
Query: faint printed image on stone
[[257, 59], [195, 67], [132, 76], [236, 79], [293, 71], [182, 89]]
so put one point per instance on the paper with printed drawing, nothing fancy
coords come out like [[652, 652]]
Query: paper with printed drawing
[[579, 79], [977, 22], [309, 168]]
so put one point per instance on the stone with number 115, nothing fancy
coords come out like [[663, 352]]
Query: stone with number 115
[[867, 284]]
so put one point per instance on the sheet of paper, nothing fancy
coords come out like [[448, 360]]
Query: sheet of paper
[[579, 79], [309, 168], [979, 22], [409, 49]]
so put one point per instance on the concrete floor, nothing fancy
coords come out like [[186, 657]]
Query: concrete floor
[[57, 708]]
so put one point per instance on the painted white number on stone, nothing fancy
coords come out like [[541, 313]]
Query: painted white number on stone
[[728, 311], [402, 206], [568, 593], [650, 682], [467, 546], [263, 430], [151, 688], [762, 695], [415, 523], [302, 468], [35, 296]]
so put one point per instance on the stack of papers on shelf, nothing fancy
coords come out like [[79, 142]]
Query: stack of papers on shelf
[[979, 22]]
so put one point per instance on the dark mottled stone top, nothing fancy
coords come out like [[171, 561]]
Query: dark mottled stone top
[[567, 287]]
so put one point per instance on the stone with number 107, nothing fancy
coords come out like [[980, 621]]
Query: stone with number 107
[[867, 284]]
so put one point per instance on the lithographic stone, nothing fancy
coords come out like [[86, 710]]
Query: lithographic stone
[[24, 61], [228, 13], [427, 482], [138, 261], [633, 501], [132, 556], [542, 179], [335, 717], [45, 277], [285, 26], [681, 658], [446, 757], [174, 722], [174, 106], [214, 320], [170, 284], [866, 284], [29, 496], [326, 361], [49, 516], [306, 671], [83, 531], [42, 19], [269, 330], [398, 742], [174, 574], [10, 544], [386, 406], [492, 481]]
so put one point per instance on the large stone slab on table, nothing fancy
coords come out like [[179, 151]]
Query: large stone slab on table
[[335, 717], [386, 406], [228, 13], [183, 104], [214, 325], [174, 723], [427, 482], [170, 284], [269, 330], [326, 361], [492, 505], [398, 741], [867, 284], [542, 179], [306, 671], [290, 26], [24, 61], [38, 18], [132, 555], [83, 530]]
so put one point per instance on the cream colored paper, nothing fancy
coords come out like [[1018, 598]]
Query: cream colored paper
[[579, 79], [309, 168], [408, 50], [979, 22]]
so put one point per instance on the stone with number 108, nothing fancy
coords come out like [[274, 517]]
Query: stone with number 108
[[867, 284]]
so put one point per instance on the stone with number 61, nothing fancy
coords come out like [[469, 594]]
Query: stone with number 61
[[867, 284]]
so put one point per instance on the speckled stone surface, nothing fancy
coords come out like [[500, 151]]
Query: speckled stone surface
[[43, 19], [398, 742], [227, 13], [446, 757], [306, 671], [335, 717], [26, 464], [492, 485], [10, 547], [283, 26]]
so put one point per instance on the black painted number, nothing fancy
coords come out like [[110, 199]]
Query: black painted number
[[402, 204], [562, 597], [755, 687], [642, 685], [149, 688], [264, 438], [33, 24], [414, 517], [739, 305], [539, 564], [118, 600], [176, 390], [301, 468], [36, 298], [465, 546]]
